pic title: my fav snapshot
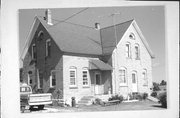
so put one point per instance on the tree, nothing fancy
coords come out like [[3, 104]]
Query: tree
[[163, 82]]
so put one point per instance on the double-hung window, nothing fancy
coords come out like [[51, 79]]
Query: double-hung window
[[53, 79], [72, 75], [144, 77], [122, 76], [85, 77]]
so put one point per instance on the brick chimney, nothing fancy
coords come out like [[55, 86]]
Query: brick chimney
[[48, 17], [97, 26]]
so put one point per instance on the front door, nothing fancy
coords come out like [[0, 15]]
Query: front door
[[134, 82], [98, 86]]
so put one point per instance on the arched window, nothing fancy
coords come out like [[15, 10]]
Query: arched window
[[72, 76], [137, 52], [134, 77], [144, 77], [34, 51], [128, 50], [40, 35], [48, 48], [122, 75], [53, 79]]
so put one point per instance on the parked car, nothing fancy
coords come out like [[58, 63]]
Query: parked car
[[29, 100]]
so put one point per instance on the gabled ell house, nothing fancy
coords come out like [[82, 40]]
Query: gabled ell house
[[86, 61]]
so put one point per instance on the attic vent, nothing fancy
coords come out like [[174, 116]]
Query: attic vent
[[132, 36], [40, 35]]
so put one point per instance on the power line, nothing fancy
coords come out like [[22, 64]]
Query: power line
[[70, 17]]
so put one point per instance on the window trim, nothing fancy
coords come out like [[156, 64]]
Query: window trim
[[73, 69], [137, 56], [33, 49], [145, 79], [133, 36], [86, 85], [136, 77], [125, 77], [48, 53], [129, 50], [51, 79]]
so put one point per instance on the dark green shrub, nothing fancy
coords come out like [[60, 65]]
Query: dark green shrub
[[154, 94], [144, 96], [98, 101], [138, 96], [116, 97], [163, 99]]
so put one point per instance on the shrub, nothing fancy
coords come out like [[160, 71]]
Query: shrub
[[98, 101], [138, 96], [116, 97], [144, 96], [163, 99], [154, 94]]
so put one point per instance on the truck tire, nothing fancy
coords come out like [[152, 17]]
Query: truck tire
[[41, 107]]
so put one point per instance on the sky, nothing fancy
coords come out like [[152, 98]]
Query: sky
[[150, 19]]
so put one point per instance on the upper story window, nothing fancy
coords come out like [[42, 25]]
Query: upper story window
[[132, 36], [128, 52], [137, 52], [144, 77], [48, 47], [122, 75], [72, 75], [40, 35], [34, 53], [53, 79], [85, 77]]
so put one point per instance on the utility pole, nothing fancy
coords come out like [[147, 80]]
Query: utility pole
[[116, 52]]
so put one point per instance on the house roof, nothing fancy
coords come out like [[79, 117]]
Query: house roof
[[78, 39], [98, 64]]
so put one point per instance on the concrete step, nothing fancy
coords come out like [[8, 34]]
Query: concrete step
[[86, 100]]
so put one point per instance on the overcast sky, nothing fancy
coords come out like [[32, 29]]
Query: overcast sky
[[150, 19]]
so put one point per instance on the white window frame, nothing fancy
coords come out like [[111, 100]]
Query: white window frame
[[136, 77], [33, 45], [47, 41], [137, 52], [124, 83], [75, 77], [51, 79], [29, 79], [133, 36], [85, 70], [128, 52], [38, 79]]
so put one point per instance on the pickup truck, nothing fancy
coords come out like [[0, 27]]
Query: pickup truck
[[28, 100]]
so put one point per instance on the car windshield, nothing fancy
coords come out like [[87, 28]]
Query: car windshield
[[25, 89]]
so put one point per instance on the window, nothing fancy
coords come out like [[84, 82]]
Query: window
[[48, 47], [122, 75], [132, 36], [40, 35], [72, 75], [137, 52], [133, 78], [29, 78], [34, 51], [85, 77], [128, 50], [144, 77], [53, 79]]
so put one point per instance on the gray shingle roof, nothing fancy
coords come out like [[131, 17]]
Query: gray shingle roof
[[82, 40]]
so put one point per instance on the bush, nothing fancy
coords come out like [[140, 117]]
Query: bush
[[138, 96], [154, 94], [98, 101], [144, 96], [163, 99], [116, 97]]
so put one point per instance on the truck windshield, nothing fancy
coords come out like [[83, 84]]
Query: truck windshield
[[25, 89]]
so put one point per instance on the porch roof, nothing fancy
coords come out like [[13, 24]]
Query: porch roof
[[98, 64]]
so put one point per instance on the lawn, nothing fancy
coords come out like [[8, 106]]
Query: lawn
[[139, 105]]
